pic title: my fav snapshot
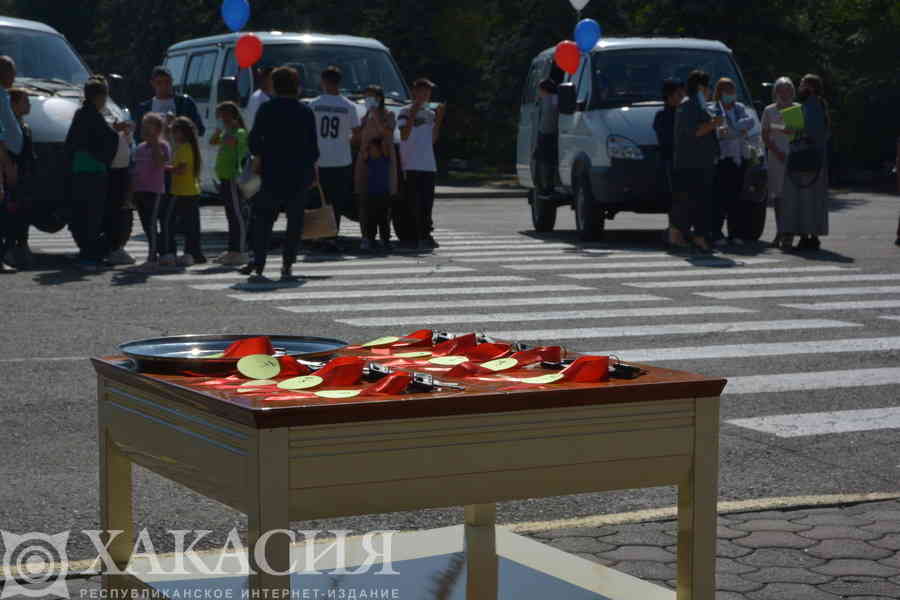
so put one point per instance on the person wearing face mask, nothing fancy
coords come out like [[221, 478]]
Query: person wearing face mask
[[696, 154], [806, 193], [336, 122], [730, 170], [377, 124], [778, 146]]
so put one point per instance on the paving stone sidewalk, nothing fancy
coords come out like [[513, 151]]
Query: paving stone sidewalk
[[850, 552]]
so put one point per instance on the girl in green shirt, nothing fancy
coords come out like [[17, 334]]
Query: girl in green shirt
[[231, 138]]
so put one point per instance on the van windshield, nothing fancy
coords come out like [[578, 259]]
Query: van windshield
[[624, 77], [361, 67], [41, 55]]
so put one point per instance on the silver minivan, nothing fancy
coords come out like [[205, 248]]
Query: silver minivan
[[207, 70], [53, 74], [608, 152]]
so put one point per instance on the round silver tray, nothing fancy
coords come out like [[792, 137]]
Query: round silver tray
[[197, 354]]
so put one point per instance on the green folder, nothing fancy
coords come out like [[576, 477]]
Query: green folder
[[793, 119]]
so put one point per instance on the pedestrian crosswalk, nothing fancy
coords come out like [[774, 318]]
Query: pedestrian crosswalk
[[763, 319]]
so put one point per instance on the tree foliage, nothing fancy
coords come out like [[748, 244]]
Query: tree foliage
[[479, 50]]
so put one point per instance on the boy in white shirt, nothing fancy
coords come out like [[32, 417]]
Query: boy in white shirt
[[337, 120], [420, 129], [260, 96]]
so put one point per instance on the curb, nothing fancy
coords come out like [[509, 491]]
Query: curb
[[467, 195], [671, 512]]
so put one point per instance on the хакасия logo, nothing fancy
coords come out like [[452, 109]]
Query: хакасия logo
[[29, 560]]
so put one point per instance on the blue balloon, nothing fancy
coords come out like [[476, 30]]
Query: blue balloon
[[236, 13], [587, 34]]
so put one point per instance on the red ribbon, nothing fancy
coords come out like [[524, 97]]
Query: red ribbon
[[250, 346], [291, 368], [455, 346], [552, 354], [416, 339], [587, 369], [343, 371], [393, 384], [486, 352], [469, 369]]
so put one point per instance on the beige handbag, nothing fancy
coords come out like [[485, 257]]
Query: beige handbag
[[319, 223]]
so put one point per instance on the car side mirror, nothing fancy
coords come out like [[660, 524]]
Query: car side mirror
[[566, 98], [228, 90]]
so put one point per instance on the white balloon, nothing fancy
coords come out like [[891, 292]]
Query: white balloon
[[579, 4]]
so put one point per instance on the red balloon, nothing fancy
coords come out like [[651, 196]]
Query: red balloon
[[249, 50], [568, 56]]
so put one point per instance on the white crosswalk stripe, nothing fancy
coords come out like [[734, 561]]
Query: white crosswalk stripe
[[802, 292], [797, 382], [692, 272], [507, 317], [368, 292], [383, 306], [802, 425], [375, 283], [767, 281], [725, 351], [548, 335], [355, 272], [863, 305], [594, 264]]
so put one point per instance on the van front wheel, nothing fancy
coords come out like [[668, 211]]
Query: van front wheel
[[589, 219], [543, 212]]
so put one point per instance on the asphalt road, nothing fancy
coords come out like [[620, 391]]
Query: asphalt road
[[623, 296]]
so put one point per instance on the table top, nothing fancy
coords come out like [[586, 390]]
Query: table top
[[496, 392]]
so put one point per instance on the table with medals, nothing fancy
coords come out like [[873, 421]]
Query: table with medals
[[288, 429]]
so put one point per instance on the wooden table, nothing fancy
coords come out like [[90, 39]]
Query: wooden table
[[315, 459]]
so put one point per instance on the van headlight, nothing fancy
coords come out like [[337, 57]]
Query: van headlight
[[623, 148]]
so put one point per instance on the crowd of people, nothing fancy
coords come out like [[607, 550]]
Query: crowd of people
[[703, 135], [303, 154]]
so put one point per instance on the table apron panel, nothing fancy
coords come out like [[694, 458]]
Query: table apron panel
[[483, 488], [464, 446], [639, 412], [180, 450]]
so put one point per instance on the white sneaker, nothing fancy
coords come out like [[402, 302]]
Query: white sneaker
[[186, 260], [120, 257], [167, 260]]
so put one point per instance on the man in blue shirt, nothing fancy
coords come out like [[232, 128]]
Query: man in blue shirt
[[285, 142]]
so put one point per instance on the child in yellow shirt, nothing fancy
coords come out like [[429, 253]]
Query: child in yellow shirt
[[184, 207]]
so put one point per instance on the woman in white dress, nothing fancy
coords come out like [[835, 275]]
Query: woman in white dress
[[778, 144]]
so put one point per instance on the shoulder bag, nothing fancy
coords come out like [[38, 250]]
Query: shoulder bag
[[319, 223]]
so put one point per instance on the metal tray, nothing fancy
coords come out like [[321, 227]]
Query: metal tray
[[185, 353]]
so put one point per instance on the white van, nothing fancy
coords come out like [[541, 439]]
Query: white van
[[54, 75], [608, 151], [206, 69]]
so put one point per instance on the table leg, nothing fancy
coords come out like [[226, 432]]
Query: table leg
[[481, 552], [697, 513], [115, 500], [269, 513]]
